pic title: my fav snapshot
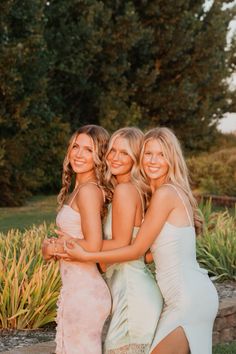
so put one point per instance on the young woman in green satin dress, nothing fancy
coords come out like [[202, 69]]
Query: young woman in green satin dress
[[136, 298]]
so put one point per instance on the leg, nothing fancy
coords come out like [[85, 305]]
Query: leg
[[174, 343]]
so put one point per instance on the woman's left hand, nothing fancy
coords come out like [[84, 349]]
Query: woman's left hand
[[73, 252]]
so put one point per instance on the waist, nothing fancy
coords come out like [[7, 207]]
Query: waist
[[178, 268], [136, 264]]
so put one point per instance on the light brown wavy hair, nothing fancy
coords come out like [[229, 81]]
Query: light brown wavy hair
[[178, 172], [134, 137], [100, 138]]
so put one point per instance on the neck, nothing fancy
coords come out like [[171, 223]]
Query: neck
[[82, 178], [155, 184], [123, 178]]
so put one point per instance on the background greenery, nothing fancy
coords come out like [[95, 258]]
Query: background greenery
[[29, 287], [115, 63]]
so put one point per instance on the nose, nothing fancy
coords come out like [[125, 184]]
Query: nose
[[154, 158], [79, 152], [116, 156]]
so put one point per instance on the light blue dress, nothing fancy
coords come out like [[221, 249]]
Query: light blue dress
[[136, 304], [190, 298]]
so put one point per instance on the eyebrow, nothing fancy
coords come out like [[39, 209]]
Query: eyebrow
[[87, 146], [121, 150]]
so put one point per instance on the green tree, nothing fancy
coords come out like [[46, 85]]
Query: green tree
[[31, 137], [141, 62]]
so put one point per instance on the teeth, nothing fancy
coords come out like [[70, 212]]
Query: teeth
[[153, 169]]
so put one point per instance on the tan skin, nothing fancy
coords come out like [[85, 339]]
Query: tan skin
[[88, 201], [165, 206], [120, 164]]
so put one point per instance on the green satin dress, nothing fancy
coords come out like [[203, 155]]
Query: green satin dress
[[136, 303]]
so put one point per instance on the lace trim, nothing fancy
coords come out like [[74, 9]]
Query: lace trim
[[130, 349]]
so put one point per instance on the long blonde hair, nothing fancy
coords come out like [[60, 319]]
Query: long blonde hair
[[134, 137], [100, 138], [178, 171]]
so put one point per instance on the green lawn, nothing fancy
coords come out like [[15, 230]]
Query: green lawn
[[37, 210], [225, 348]]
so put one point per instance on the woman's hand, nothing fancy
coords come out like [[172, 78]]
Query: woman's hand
[[148, 257], [63, 235], [48, 248], [72, 252]]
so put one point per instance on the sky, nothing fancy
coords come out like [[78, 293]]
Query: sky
[[228, 123]]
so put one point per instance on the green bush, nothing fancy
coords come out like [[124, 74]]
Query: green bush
[[214, 173], [216, 247], [29, 287]]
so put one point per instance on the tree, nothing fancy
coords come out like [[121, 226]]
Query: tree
[[31, 137], [141, 62]]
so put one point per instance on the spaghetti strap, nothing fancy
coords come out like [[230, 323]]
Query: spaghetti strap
[[180, 196], [79, 187], [142, 202]]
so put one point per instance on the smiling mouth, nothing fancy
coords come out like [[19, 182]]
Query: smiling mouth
[[78, 163], [116, 165], [154, 169]]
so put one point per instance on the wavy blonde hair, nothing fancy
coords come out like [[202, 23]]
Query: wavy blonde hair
[[100, 138], [178, 171], [134, 137]]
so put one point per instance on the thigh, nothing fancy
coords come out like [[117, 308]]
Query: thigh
[[174, 343]]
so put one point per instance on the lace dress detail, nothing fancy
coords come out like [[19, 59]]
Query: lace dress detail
[[83, 294]]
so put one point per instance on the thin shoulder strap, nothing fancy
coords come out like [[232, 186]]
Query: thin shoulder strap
[[182, 199], [142, 202], [78, 189]]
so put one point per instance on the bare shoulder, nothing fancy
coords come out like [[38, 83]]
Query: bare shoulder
[[164, 194], [123, 190], [89, 192]]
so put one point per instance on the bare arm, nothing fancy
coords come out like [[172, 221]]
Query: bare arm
[[89, 202], [161, 205], [124, 206]]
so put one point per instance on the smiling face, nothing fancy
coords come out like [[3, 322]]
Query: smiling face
[[81, 155], [154, 163], [119, 160]]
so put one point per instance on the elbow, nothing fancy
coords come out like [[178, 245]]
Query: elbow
[[139, 253]]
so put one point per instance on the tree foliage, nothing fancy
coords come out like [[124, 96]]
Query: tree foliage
[[31, 136], [114, 63], [141, 62]]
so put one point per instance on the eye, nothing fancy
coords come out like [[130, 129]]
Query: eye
[[124, 153], [147, 153]]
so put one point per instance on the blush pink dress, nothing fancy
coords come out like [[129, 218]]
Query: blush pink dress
[[84, 302]]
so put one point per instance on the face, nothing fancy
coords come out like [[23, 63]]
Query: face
[[154, 162], [81, 154], [119, 161]]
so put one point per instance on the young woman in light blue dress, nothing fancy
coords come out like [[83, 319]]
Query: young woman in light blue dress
[[136, 299], [190, 298]]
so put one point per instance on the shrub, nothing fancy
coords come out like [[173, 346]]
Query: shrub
[[214, 173], [29, 287], [216, 247]]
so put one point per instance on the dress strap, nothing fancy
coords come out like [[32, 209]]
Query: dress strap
[[182, 199], [142, 202], [79, 187]]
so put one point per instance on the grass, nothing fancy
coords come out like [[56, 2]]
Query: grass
[[37, 210], [225, 348]]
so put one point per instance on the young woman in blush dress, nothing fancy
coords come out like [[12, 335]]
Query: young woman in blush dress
[[137, 301], [190, 299], [84, 302]]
